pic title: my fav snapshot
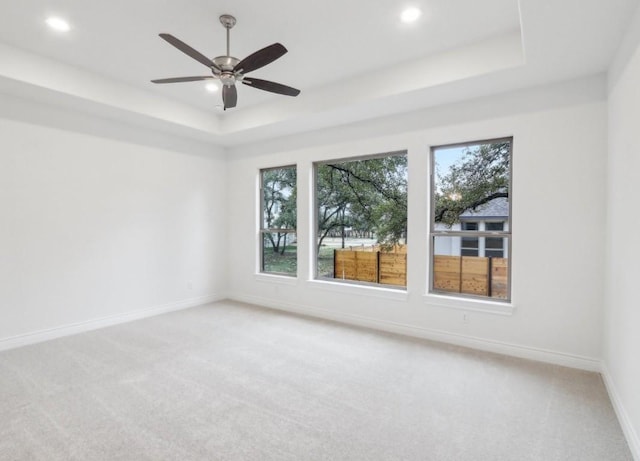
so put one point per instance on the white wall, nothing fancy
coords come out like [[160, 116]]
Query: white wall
[[621, 338], [558, 163], [94, 229]]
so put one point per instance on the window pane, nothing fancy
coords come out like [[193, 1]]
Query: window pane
[[278, 211], [470, 226], [493, 243], [471, 182], [362, 220], [494, 226], [456, 271], [279, 198], [470, 242], [279, 253]]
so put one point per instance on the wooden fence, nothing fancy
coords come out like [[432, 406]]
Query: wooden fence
[[387, 266], [457, 274], [472, 275]]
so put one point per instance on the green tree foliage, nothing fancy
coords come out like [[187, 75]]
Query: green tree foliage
[[480, 176], [368, 195]]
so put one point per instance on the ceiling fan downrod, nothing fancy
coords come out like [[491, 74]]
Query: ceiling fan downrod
[[228, 22]]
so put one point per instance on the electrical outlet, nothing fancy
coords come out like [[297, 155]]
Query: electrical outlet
[[189, 285]]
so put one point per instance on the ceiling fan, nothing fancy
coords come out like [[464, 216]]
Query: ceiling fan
[[230, 70]]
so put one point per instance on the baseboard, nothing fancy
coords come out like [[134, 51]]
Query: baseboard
[[94, 324], [625, 422], [514, 350]]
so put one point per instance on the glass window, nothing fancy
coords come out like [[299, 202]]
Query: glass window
[[470, 232], [278, 243], [494, 226], [494, 247], [469, 245], [361, 220]]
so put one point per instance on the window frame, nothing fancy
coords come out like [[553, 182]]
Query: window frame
[[315, 223], [263, 230], [433, 233]]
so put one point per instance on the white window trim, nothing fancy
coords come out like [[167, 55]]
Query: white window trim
[[281, 279], [469, 304], [399, 294]]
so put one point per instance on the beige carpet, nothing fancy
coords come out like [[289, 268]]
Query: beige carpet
[[232, 382]]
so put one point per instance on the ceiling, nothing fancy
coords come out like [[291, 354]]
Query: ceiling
[[352, 60]]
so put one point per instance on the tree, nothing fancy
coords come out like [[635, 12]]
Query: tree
[[481, 176], [369, 194], [279, 194]]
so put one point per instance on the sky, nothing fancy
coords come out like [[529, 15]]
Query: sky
[[445, 157]]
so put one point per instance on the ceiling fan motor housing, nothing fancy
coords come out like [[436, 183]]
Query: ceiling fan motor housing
[[226, 63]]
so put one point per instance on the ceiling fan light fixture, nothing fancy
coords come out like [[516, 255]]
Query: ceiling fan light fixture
[[58, 24], [410, 15], [211, 87]]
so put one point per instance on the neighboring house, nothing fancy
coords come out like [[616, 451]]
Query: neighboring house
[[492, 216]]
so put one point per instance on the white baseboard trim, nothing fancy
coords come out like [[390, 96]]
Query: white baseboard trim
[[499, 347], [625, 422], [94, 324]]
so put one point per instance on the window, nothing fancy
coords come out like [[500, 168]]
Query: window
[[494, 247], [469, 245], [361, 220], [278, 244], [470, 231], [494, 226]]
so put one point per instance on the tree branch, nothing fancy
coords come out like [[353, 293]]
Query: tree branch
[[471, 206]]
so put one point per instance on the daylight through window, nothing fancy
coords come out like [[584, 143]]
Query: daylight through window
[[470, 220], [278, 245], [361, 220]]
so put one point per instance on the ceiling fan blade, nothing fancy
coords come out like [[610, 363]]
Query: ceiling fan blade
[[260, 58], [229, 96], [273, 87], [186, 49], [181, 79]]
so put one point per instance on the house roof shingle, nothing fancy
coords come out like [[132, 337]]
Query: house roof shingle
[[496, 208]]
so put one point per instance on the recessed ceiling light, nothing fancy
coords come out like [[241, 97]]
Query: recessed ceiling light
[[211, 87], [58, 24], [410, 15]]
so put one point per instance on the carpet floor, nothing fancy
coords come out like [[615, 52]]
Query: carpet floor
[[228, 381]]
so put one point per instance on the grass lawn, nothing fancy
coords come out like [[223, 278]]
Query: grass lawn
[[287, 263], [325, 262]]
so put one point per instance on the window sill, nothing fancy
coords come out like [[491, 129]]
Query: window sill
[[276, 278], [469, 304], [364, 290]]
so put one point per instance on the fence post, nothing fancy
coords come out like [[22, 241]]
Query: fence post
[[405, 269], [490, 277], [460, 278], [378, 266]]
